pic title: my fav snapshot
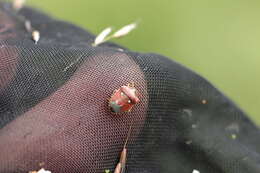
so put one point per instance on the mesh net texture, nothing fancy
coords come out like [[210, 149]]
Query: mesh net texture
[[54, 107]]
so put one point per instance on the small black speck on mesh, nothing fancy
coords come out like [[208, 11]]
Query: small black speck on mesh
[[54, 110]]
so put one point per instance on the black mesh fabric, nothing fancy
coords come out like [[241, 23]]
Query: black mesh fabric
[[54, 110]]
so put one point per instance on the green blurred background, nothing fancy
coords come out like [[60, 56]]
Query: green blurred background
[[218, 39]]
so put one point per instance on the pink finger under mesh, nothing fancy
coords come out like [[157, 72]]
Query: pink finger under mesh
[[73, 130]]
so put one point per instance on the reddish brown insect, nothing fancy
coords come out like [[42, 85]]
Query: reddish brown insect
[[123, 99]]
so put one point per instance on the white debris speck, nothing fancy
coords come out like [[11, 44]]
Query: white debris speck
[[40, 171], [195, 171], [43, 171], [28, 26], [245, 158], [188, 142], [72, 64], [36, 36], [107, 171], [204, 101], [102, 37], [233, 127], [234, 136], [121, 50], [18, 4], [125, 30], [188, 112]]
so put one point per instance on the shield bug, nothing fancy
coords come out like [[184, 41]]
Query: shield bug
[[123, 99]]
